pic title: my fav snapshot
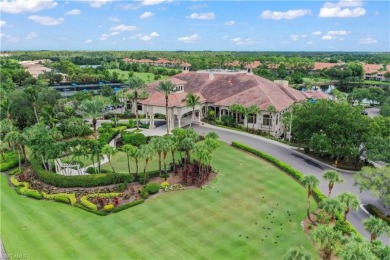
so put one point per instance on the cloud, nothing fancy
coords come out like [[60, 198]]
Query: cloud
[[309, 43], [123, 27], [294, 37], [202, 16], [19, 6], [114, 33], [340, 32], [146, 15], [342, 9], [46, 20], [316, 33], [189, 39], [368, 40], [104, 37], [9, 38], [303, 35], [88, 41], [198, 6], [31, 35], [73, 12], [145, 37], [2, 23], [289, 15], [98, 3], [230, 23], [240, 41], [155, 2], [132, 6], [114, 19], [327, 37]]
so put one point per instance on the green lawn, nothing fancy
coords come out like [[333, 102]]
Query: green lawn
[[225, 220], [145, 76]]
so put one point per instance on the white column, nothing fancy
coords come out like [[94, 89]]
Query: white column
[[152, 121], [245, 120], [220, 112], [200, 114], [179, 120]]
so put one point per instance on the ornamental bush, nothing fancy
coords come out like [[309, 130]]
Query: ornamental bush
[[78, 181], [144, 194], [11, 161], [15, 182], [61, 197], [108, 207], [91, 170], [126, 206], [152, 188], [86, 203], [164, 184], [136, 139], [32, 194]]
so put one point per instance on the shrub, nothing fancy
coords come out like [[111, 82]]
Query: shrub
[[164, 184], [91, 170], [15, 171], [78, 181], [61, 197], [174, 187], [11, 161], [152, 188], [121, 187], [227, 120], [126, 206], [131, 123], [95, 211], [108, 207], [15, 182], [86, 203], [32, 194], [144, 194], [136, 139], [103, 195]]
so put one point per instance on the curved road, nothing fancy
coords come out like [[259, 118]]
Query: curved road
[[306, 165]]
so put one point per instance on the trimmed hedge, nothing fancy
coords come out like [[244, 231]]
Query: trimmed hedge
[[97, 212], [152, 188], [126, 206], [61, 197], [16, 171], [86, 203], [78, 181], [341, 225], [11, 161]]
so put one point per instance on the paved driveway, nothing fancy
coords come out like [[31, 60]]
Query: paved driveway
[[307, 166]]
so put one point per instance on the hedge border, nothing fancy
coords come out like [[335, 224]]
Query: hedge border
[[129, 205], [344, 226]]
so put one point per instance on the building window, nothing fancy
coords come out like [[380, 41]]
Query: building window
[[266, 120], [277, 119], [139, 107]]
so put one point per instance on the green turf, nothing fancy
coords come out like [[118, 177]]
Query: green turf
[[209, 223], [145, 76]]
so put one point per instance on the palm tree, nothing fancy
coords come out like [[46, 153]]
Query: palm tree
[[236, 108], [32, 95], [212, 135], [203, 157], [166, 148], [3, 149], [211, 144], [166, 87], [109, 151], [158, 144], [270, 109], [327, 238], [376, 227], [146, 152], [297, 253], [121, 95], [310, 182], [192, 101], [332, 207], [137, 86], [253, 110], [172, 144], [15, 138], [94, 109], [332, 177], [350, 201], [357, 250], [130, 151]]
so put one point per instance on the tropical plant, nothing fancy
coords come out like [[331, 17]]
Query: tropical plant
[[310, 182], [32, 94], [192, 101], [236, 108], [15, 138], [130, 152], [350, 201], [158, 144], [376, 227], [146, 152], [270, 109], [137, 86], [109, 151], [332, 177], [94, 109], [327, 239], [357, 250], [297, 253], [253, 110], [332, 207], [212, 135], [166, 88], [211, 144]]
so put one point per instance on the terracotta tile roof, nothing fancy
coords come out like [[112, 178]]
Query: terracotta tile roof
[[235, 63], [316, 94], [388, 68], [324, 65], [224, 89], [185, 64], [371, 68], [174, 100]]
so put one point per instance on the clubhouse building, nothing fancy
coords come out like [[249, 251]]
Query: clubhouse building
[[218, 90]]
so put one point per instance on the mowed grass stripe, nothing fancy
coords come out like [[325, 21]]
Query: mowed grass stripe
[[213, 222]]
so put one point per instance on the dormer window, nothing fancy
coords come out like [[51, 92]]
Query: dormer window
[[178, 88]]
